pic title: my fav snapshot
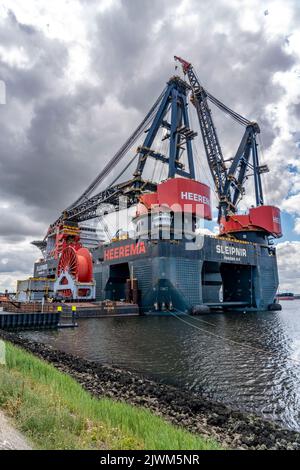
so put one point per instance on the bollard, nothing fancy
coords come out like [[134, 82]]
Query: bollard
[[73, 314], [59, 310]]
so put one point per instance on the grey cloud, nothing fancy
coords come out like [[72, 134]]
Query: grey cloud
[[28, 29], [237, 66], [54, 141], [295, 109], [17, 225], [15, 262]]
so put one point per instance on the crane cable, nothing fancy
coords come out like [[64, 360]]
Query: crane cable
[[247, 346], [236, 116], [120, 154]]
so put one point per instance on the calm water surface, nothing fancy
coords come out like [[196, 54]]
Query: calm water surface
[[202, 354]]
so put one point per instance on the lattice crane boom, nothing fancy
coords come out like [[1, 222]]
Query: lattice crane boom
[[210, 138], [229, 181]]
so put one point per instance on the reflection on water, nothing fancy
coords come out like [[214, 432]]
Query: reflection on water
[[190, 353]]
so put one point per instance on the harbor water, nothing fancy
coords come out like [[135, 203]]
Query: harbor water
[[249, 361]]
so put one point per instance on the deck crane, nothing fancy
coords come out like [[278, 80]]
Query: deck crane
[[229, 180]]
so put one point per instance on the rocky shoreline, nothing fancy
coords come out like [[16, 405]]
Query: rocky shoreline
[[232, 429]]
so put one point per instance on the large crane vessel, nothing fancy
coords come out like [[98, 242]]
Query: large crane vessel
[[167, 264]]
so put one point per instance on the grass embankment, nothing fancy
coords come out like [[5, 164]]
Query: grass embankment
[[55, 412]]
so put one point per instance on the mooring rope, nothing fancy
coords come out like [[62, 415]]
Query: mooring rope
[[247, 346]]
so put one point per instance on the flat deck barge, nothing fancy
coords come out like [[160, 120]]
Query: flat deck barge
[[9, 320], [37, 315], [100, 309]]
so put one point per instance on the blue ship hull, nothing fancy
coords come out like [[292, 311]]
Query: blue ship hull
[[171, 277]]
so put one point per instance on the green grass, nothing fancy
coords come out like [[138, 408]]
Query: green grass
[[55, 412]]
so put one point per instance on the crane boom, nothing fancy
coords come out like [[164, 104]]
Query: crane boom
[[87, 209], [212, 146], [229, 181]]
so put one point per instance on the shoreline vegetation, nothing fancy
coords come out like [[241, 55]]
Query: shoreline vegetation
[[204, 424], [54, 412]]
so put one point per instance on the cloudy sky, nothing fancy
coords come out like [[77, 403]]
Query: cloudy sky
[[80, 75]]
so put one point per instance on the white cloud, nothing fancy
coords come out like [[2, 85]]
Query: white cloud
[[292, 204], [288, 256], [297, 225]]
